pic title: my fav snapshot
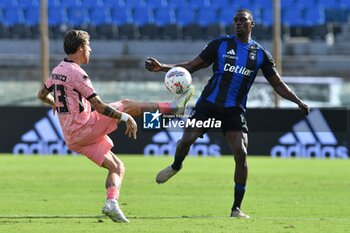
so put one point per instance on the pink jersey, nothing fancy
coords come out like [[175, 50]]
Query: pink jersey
[[72, 87]]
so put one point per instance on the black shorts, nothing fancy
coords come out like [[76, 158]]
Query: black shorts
[[232, 119]]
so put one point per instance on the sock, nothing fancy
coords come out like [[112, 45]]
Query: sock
[[177, 164], [164, 107], [113, 193], [239, 194]]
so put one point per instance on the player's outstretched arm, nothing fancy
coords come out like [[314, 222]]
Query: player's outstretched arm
[[152, 64], [105, 109], [283, 90]]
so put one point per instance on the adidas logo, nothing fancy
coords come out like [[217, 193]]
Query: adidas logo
[[231, 52], [164, 143], [45, 138], [311, 137]]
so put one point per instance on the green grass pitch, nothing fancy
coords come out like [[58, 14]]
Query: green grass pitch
[[66, 194]]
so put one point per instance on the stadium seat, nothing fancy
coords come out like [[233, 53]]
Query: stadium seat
[[225, 15], [8, 3], [91, 4], [185, 16], [207, 16], [328, 3], [178, 4], [156, 3], [164, 16], [32, 15], [32, 19], [142, 16], [14, 15], [344, 4], [70, 4], [28, 3], [121, 15], [100, 15], [166, 22], [78, 16], [314, 16], [337, 15], [111, 3], [199, 3], [134, 4], [292, 16]]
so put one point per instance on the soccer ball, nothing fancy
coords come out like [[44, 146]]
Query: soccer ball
[[177, 80]]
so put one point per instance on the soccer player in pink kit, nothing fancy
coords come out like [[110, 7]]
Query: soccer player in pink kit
[[85, 131]]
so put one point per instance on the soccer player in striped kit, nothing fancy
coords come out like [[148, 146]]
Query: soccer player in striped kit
[[235, 61]]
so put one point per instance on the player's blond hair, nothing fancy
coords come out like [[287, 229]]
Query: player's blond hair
[[74, 39]]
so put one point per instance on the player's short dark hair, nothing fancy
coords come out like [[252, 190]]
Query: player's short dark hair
[[74, 39], [246, 11]]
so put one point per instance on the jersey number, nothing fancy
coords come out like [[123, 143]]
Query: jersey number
[[60, 96]]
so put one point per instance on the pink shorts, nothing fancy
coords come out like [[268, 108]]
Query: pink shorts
[[93, 141]]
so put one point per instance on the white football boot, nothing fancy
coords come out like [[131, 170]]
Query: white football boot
[[112, 210], [237, 213]]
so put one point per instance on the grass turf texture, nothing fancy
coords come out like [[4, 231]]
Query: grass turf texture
[[66, 194]]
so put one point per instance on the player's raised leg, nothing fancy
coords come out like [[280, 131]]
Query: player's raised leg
[[177, 106], [114, 180]]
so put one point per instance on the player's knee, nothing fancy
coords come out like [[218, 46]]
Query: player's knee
[[240, 155], [121, 169]]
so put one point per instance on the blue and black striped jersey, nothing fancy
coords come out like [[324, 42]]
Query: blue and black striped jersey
[[235, 66]]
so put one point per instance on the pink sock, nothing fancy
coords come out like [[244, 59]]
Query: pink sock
[[164, 107], [113, 193]]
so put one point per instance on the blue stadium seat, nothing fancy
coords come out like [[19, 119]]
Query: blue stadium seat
[[338, 15], [143, 15], [28, 3], [14, 16], [164, 16], [156, 3], [8, 3], [226, 15], [314, 16], [57, 16], [267, 17], [328, 3], [91, 3], [32, 15], [100, 15], [222, 4], [78, 16], [292, 16], [344, 4], [121, 15], [132, 3], [111, 3], [207, 16], [53, 3], [178, 4], [70, 4], [288, 3], [185, 16], [199, 3]]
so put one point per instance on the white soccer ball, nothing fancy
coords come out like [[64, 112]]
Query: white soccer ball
[[177, 80]]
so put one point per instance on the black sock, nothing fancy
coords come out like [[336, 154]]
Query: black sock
[[177, 164], [239, 194]]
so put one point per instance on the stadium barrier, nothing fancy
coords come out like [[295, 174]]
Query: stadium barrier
[[274, 132]]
